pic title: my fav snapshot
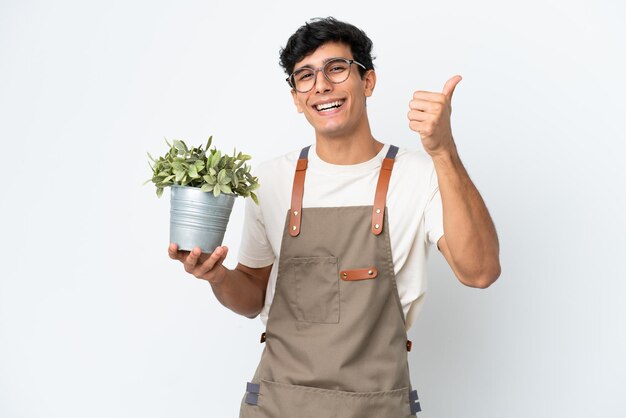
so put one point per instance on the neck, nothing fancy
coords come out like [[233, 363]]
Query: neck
[[358, 147]]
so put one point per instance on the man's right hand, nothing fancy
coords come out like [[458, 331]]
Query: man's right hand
[[203, 266]]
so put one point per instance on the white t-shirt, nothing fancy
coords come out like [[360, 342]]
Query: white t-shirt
[[413, 209]]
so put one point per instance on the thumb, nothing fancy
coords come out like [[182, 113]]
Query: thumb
[[448, 88]]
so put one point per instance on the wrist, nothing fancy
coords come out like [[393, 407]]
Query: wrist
[[445, 155], [219, 278]]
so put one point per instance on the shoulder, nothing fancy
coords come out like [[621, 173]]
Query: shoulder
[[281, 162], [275, 180], [413, 165], [277, 165], [414, 157]]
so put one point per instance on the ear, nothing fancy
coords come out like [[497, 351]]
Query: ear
[[294, 96], [370, 82]]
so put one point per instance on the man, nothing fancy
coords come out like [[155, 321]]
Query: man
[[343, 271]]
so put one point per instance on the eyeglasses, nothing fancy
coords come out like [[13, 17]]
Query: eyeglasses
[[336, 70]]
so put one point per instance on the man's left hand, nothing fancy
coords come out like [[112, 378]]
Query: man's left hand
[[430, 117]]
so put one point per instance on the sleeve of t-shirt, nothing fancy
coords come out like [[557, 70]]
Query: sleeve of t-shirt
[[433, 214], [255, 250]]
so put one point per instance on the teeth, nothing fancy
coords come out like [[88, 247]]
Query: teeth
[[326, 106]]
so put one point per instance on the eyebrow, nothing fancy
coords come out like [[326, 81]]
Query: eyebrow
[[324, 63]]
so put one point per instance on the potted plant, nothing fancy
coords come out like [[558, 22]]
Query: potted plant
[[204, 183]]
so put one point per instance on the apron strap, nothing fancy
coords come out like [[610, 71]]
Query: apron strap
[[295, 213], [380, 199]]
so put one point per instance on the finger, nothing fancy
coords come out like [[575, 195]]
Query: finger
[[192, 259], [429, 96], [216, 258], [426, 106], [418, 116], [425, 129], [415, 126], [173, 252], [448, 88]]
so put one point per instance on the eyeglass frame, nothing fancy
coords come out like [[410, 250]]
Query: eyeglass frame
[[315, 71]]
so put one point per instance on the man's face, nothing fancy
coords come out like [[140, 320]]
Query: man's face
[[345, 119]]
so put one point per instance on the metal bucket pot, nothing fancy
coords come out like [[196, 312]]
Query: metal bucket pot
[[198, 219]]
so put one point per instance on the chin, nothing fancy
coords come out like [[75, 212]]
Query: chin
[[331, 133]]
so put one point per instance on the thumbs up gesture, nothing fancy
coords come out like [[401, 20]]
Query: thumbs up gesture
[[429, 115]]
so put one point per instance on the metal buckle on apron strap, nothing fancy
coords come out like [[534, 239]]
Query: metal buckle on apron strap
[[409, 345], [252, 395], [263, 338]]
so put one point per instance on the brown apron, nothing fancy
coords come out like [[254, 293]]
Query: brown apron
[[336, 344]]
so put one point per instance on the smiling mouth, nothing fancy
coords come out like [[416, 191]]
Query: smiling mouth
[[325, 107]]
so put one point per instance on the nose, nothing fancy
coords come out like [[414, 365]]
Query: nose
[[322, 85]]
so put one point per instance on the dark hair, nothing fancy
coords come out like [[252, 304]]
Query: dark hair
[[319, 31]]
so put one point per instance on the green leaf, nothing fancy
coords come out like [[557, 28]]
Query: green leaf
[[216, 191], [221, 176], [210, 179], [215, 158], [180, 145], [193, 172], [150, 156], [254, 198], [206, 188], [146, 182], [179, 175], [225, 188], [208, 144], [167, 142], [159, 191]]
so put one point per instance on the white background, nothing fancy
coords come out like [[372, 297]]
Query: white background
[[97, 321]]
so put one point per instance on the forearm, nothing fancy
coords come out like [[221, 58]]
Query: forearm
[[239, 292], [468, 229]]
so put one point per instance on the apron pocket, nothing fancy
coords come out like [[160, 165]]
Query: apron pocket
[[284, 400], [316, 289]]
